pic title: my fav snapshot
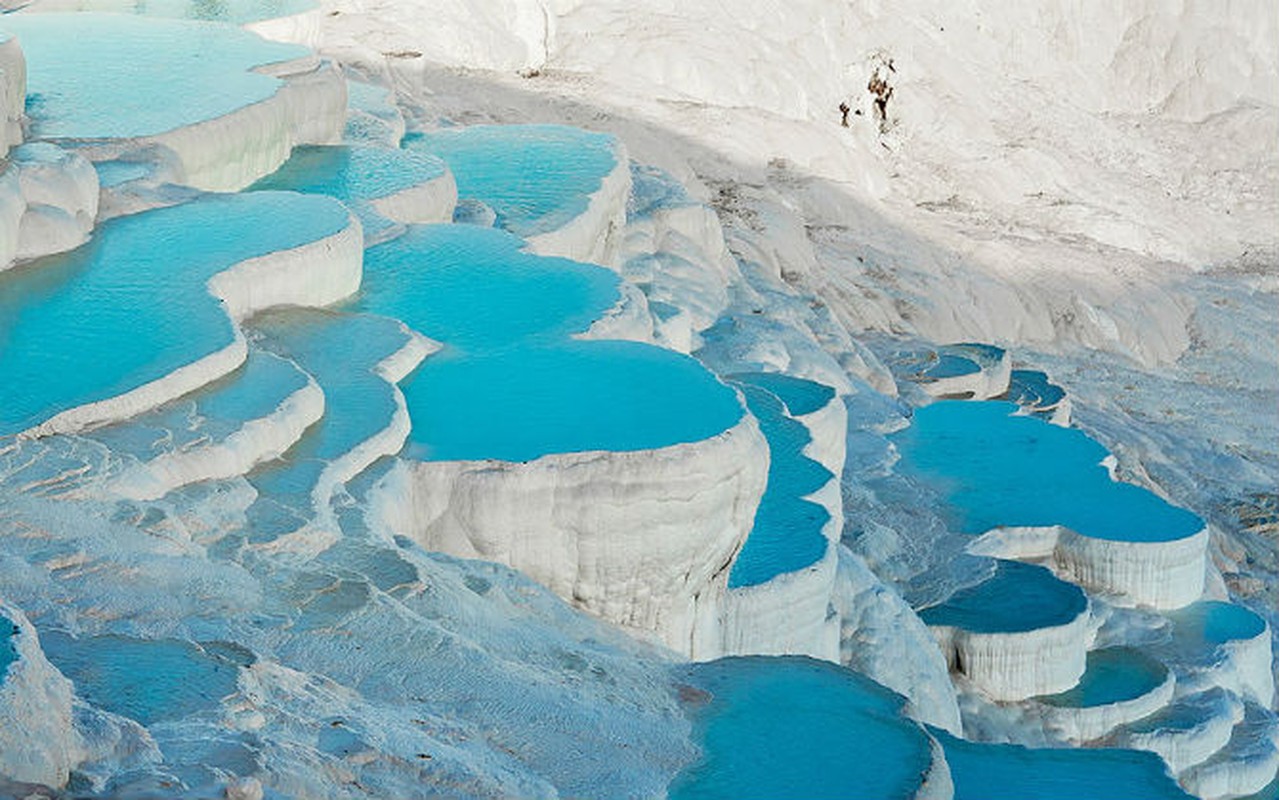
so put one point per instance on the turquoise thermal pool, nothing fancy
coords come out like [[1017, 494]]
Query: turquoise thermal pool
[[8, 653], [793, 727], [1112, 675], [132, 76], [1054, 774], [132, 305], [800, 396], [787, 534], [535, 177], [998, 469], [1032, 389], [1017, 598], [511, 384]]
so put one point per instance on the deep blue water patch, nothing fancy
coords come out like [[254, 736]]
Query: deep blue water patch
[[475, 289], [1018, 597], [995, 468], [147, 680], [521, 403], [997, 771], [132, 305], [1031, 389], [794, 727], [8, 653], [134, 76], [787, 534], [1112, 675], [800, 396], [536, 178]]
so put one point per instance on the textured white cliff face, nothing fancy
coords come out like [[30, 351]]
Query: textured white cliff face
[[607, 531], [1016, 666], [884, 639], [315, 274], [60, 189], [13, 92], [1248, 763], [38, 742], [1161, 575], [1086, 724]]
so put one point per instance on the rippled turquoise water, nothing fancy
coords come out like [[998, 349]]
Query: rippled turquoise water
[[149, 681], [522, 403], [536, 177], [996, 469], [797, 728], [131, 306], [135, 76], [986, 771], [1112, 675], [1018, 597], [787, 534]]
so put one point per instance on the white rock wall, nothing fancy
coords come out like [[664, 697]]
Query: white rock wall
[[643, 539], [1161, 575]]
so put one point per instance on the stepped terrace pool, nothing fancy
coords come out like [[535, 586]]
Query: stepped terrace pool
[[1112, 675], [1016, 598], [998, 469], [132, 76], [536, 178], [787, 534], [132, 305]]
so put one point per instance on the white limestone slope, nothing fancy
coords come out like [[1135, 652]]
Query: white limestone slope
[[48, 202], [608, 531], [317, 273], [13, 92], [38, 742]]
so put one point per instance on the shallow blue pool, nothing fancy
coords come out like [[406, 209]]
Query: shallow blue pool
[[1217, 622], [1032, 389], [995, 469], [524, 402], [787, 534], [475, 289], [131, 306], [535, 177], [800, 396], [1016, 598], [147, 680], [8, 653], [1011, 772], [1112, 675], [354, 174], [135, 76], [793, 727]]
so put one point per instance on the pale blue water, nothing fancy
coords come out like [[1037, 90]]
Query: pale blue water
[[8, 653], [524, 402], [799, 395], [149, 681], [536, 177], [354, 174], [1113, 675], [1210, 622], [238, 12], [1011, 772], [1018, 597], [998, 469], [135, 76], [131, 306], [340, 351], [253, 391], [787, 534], [793, 727], [476, 290]]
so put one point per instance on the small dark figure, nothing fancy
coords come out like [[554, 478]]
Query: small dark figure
[[843, 110]]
